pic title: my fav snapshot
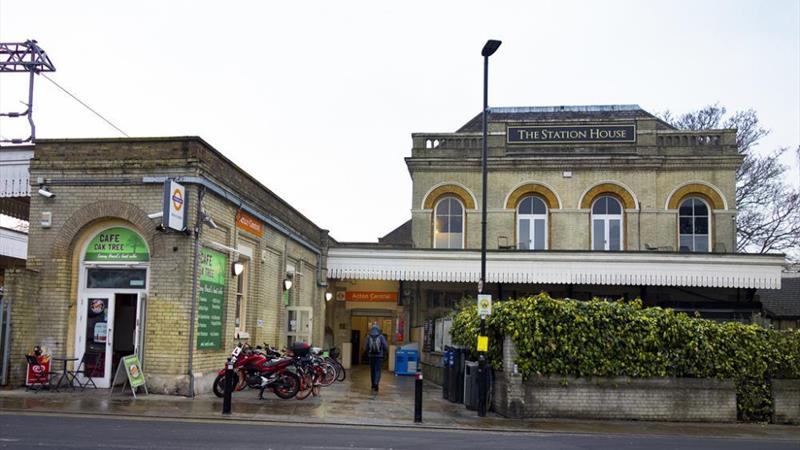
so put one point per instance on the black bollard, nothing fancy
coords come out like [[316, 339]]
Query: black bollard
[[481, 386], [226, 401], [418, 396]]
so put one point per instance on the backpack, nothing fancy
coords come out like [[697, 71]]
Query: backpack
[[373, 344]]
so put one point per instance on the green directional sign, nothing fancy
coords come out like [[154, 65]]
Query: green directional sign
[[117, 245], [213, 271]]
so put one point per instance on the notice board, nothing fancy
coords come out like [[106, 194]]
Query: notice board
[[213, 270]]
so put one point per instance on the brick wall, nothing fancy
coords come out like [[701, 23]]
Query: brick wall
[[99, 183], [665, 399], [786, 401]]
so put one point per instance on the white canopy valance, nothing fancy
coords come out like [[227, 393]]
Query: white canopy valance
[[560, 267]]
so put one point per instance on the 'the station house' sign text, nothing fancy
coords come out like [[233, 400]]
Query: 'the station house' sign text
[[571, 134]]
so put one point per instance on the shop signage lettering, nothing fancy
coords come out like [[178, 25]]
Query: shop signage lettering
[[371, 296], [249, 223], [567, 134], [117, 245], [213, 269]]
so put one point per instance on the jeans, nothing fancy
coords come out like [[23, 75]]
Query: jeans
[[375, 363]]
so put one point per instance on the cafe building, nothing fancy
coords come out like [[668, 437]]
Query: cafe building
[[163, 248], [582, 202]]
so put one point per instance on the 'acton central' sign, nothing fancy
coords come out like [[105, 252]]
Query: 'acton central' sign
[[571, 134]]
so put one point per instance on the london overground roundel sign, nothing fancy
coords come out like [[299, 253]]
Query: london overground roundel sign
[[117, 245]]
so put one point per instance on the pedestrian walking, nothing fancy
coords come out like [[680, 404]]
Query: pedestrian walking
[[376, 347]]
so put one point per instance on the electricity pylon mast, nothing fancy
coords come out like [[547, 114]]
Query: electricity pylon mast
[[24, 57]]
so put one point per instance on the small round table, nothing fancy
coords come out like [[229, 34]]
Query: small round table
[[65, 374]]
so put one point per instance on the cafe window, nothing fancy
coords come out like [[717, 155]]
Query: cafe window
[[448, 227], [116, 278]]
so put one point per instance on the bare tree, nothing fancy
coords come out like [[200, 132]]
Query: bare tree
[[768, 210]]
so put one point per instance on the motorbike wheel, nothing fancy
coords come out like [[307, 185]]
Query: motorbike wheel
[[219, 385], [287, 386]]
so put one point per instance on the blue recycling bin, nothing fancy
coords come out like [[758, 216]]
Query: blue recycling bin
[[406, 361]]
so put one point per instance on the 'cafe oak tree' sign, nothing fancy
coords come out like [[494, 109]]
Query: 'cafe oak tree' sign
[[572, 134]]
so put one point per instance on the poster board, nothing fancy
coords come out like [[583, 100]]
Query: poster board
[[213, 271], [132, 368]]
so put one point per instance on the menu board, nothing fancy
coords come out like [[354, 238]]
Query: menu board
[[213, 268]]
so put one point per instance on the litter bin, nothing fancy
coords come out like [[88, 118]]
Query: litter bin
[[400, 362], [456, 381], [471, 385], [406, 361], [446, 372]]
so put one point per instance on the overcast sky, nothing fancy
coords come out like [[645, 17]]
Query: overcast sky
[[318, 100]]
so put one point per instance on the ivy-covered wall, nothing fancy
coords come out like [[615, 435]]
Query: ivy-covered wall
[[611, 339]]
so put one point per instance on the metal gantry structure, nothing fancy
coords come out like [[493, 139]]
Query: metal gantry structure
[[24, 57]]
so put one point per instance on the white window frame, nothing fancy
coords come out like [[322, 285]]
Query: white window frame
[[463, 221], [693, 216], [606, 218], [531, 218]]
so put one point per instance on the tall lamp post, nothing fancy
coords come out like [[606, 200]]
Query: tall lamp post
[[489, 48]]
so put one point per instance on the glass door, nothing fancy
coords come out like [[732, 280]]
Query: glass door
[[94, 337], [299, 325]]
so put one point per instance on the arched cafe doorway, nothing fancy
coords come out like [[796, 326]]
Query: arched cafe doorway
[[112, 287]]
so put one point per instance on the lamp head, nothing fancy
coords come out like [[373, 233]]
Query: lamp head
[[328, 296], [237, 268], [287, 284], [490, 47]]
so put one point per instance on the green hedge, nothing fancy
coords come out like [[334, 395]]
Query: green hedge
[[607, 339]]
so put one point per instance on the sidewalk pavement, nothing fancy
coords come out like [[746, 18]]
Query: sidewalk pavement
[[350, 403]]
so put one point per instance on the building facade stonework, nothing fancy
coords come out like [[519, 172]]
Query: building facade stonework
[[102, 186]]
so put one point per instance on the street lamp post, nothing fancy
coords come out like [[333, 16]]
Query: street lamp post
[[489, 48]]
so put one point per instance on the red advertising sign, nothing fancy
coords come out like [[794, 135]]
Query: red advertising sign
[[38, 374], [371, 296]]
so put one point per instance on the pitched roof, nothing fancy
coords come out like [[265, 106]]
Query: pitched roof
[[557, 113], [399, 237], [783, 302]]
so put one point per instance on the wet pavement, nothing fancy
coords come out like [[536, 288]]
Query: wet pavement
[[351, 403]]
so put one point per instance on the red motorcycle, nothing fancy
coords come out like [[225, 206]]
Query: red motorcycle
[[255, 369]]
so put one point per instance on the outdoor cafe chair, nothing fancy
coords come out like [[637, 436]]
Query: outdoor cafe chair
[[88, 372]]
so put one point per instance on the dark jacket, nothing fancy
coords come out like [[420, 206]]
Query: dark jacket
[[382, 344]]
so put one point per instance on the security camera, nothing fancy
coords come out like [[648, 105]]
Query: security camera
[[211, 223], [156, 215], [45, 193]]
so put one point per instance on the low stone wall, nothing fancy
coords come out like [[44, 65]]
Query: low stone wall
[[432, 367], [786, 401], [667, 399]]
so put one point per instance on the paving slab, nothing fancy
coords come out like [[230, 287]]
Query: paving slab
[[351, 403]]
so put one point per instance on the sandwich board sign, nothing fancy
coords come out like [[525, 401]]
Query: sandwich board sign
[[133, 370]]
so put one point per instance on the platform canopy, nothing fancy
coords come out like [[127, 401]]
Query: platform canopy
[[560, 267]]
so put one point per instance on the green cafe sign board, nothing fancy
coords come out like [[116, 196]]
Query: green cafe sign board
[[213, 271], [117, 245]]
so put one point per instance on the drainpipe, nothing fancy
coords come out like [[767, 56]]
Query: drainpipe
[[198, 225]]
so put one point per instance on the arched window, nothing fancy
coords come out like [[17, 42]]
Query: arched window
[[532, 224], [448, 226], [606, 224], [693, 225]]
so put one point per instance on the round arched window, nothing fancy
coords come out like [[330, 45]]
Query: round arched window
[[693, 219], [532, 224], [448, 226], [606, 224]]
